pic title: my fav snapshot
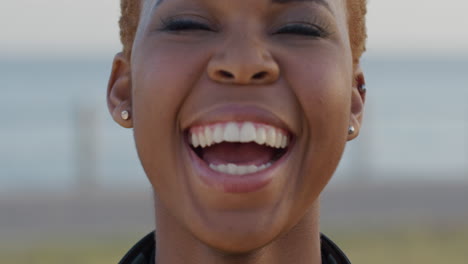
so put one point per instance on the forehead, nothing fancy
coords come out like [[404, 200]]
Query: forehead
[[323, 2], [331, 5]]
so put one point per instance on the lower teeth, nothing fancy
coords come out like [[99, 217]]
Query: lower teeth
[[234, 169]]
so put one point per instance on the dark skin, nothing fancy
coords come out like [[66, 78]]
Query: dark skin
[[292, 60]]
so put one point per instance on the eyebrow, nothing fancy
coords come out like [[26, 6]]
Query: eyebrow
[[320, 2]]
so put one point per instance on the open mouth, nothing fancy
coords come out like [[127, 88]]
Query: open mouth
[[239, 148]]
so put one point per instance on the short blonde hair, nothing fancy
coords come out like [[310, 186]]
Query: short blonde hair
[[357, 9]]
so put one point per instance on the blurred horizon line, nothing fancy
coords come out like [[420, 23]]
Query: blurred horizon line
[[101, 54]]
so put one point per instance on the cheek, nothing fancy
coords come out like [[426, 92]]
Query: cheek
[[324, 91], [322, 84], [161, 80], [163, 77]]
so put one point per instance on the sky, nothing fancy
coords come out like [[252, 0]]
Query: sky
[[31, 27]]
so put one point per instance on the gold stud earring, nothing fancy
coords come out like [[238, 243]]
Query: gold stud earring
[[125, 115]]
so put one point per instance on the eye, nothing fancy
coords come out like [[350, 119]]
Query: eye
[[303, 29], [183, 24]]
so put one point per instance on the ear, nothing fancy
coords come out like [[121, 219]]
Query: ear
[[358, 98], [119, 90]]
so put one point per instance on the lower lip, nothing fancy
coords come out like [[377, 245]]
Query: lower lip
[[234, 183]]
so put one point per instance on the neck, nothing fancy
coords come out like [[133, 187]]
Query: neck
[[299, 245]]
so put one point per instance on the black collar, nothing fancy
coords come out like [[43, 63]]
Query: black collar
[[144, 252]]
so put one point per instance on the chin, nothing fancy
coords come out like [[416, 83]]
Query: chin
[[237, 242]]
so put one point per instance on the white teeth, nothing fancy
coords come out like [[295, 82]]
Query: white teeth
[[231, 168], [271, 137], [208, 136], [253, 168], [195, 142], [241, 170], [261, 136], [222, 167], [231, 133], [247, 132], [218, 134], [241, 132], [279, 140], [234, 169], [284, 143], [201, 139]]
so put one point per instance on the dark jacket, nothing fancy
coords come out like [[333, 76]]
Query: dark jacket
[[144, 252]]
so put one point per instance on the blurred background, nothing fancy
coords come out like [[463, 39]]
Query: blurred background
[[72, 189]]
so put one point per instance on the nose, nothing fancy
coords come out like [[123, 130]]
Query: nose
[[243, 62]]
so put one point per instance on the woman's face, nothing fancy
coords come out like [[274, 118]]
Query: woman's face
[[241, 76]]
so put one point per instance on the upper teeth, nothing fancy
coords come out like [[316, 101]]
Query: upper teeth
[[242, 132]]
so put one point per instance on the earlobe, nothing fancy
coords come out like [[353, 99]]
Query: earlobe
[[358, 98], [119, 91]]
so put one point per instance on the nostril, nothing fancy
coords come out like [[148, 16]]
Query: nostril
[[225, 74], [260, 75]]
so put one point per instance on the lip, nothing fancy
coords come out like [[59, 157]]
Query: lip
[[235, 183], [237, 113]]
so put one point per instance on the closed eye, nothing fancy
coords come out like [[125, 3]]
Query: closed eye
[[178, 25], [303, 29]]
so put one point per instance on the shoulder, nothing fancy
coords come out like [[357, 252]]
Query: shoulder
[[331, 253], [142, 252]]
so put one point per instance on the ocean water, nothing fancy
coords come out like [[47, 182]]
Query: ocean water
[[56, 133]]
